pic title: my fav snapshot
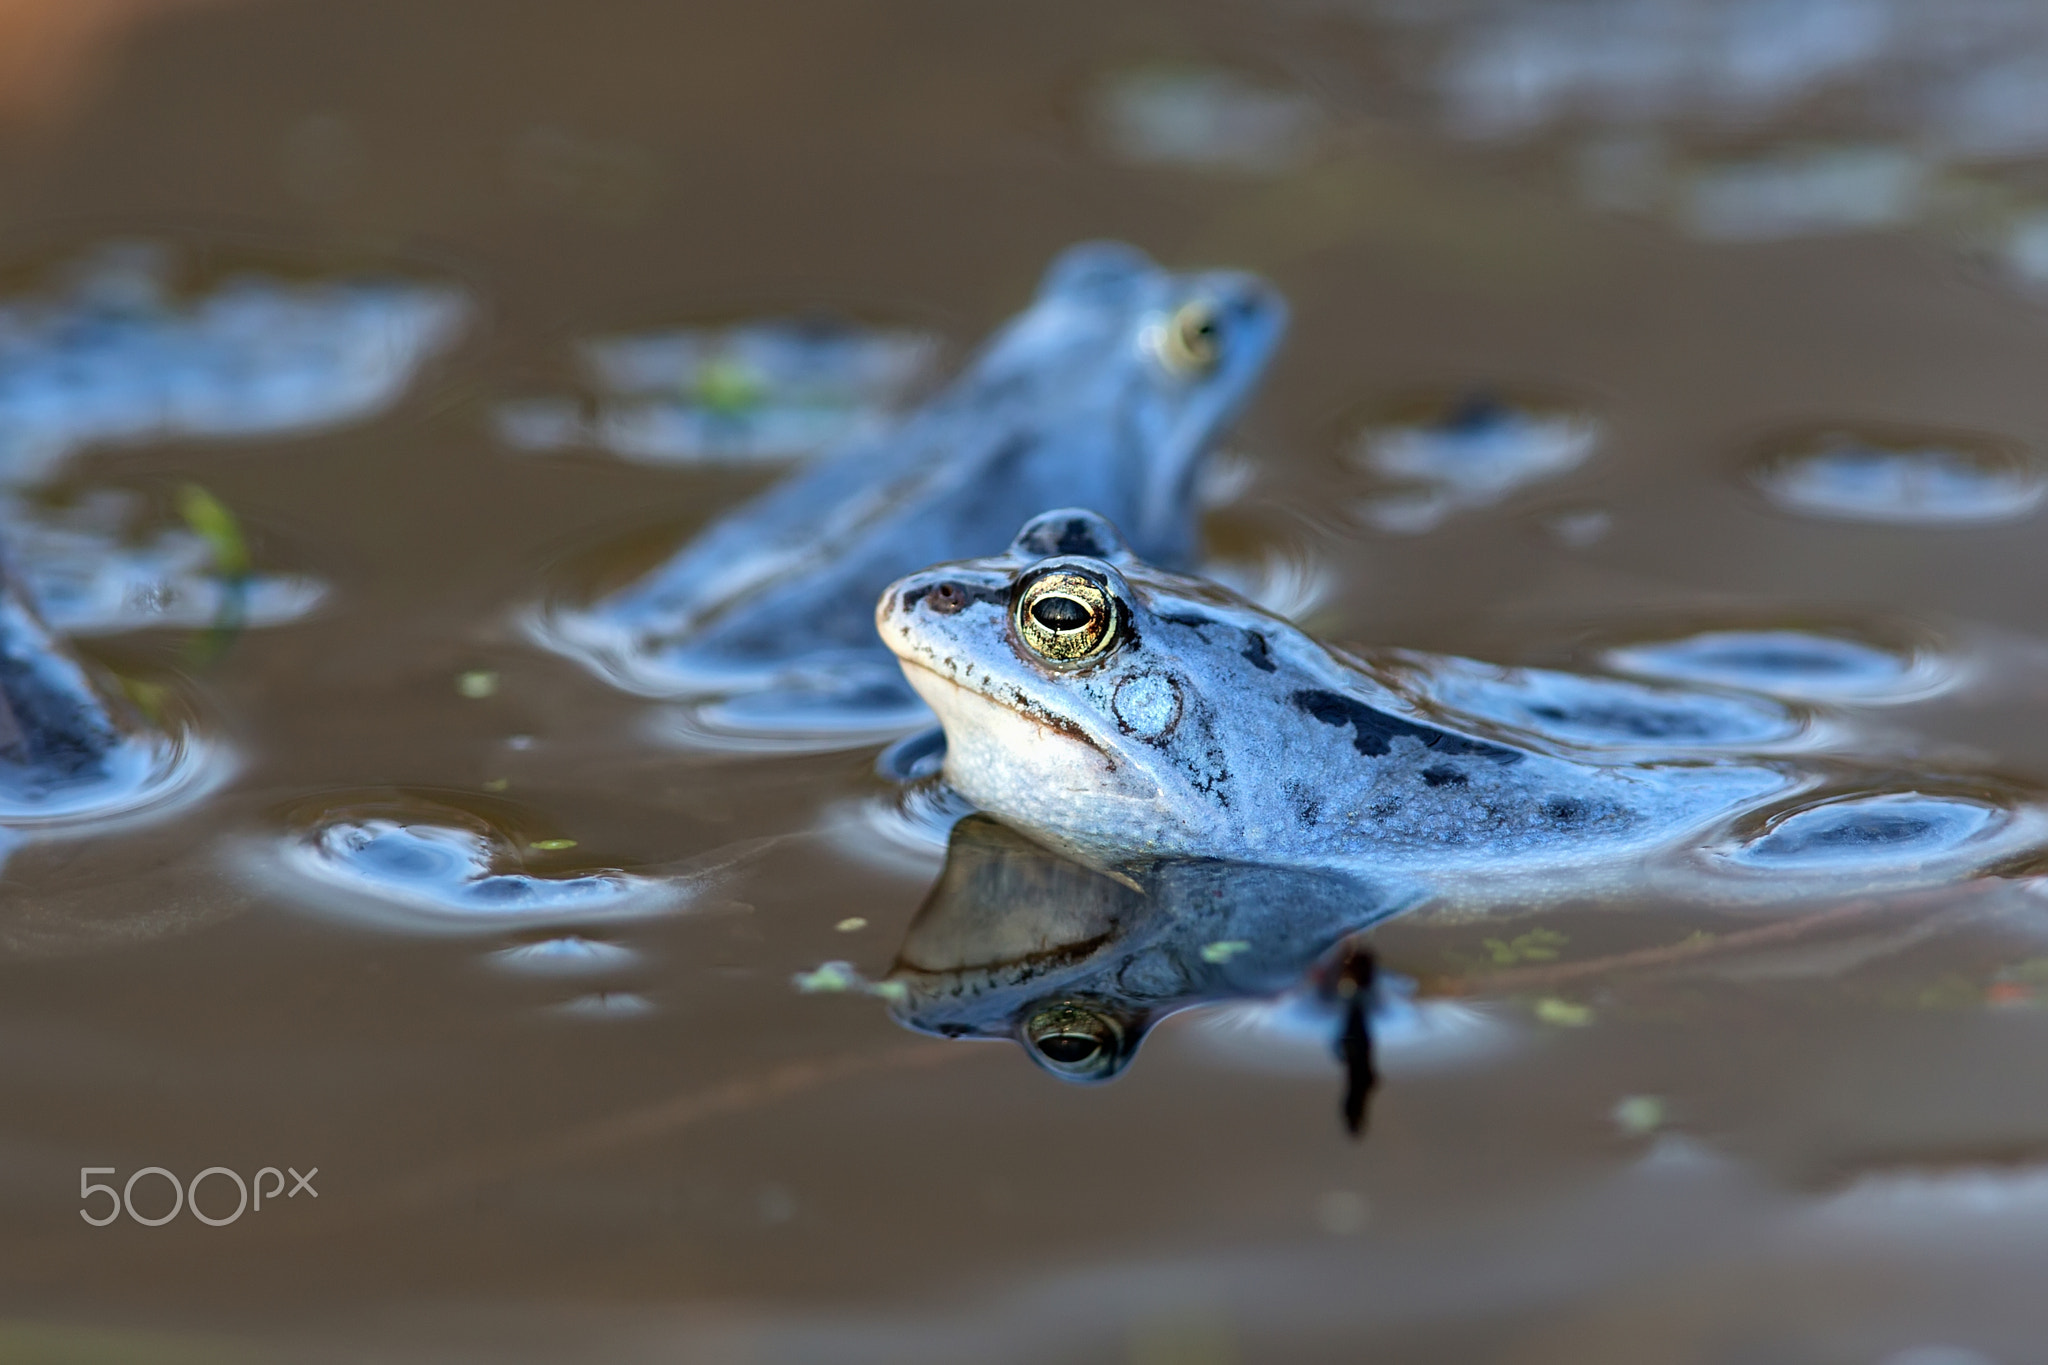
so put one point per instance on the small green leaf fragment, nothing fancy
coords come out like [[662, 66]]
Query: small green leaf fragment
[[852, 924], [497, 784], [895, 992], [552, 845], [149, 697], [213, 523], [828, 978], [727, 386], [477, 684], [1223, 950], [1538, 945], [1639, 1115], [1563, 1013]]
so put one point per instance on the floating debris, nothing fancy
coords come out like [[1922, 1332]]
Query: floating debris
[[769, 390], [1562, 1013], [1538, 945], [836, 977], [852, 924], [1639, 1115], [1223, 950], [477, 684], [1901, 478], [1466, 452]]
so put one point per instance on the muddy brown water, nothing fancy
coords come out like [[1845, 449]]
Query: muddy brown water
[[1824, 1143]]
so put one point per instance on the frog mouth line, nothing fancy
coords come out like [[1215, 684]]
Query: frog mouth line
[[1031, 715]]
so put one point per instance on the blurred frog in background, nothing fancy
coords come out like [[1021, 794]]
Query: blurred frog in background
[[1107, 391]]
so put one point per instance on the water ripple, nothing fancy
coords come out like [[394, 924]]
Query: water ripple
[[1901, 478], [442, 869]]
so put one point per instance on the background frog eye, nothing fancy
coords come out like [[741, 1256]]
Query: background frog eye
[[1191, 342], [1075, 1042], [1066, 617]]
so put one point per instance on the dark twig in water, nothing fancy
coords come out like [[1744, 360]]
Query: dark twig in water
[[1353, 985]]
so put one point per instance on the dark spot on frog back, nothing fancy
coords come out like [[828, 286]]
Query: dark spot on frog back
[[1374, 731]]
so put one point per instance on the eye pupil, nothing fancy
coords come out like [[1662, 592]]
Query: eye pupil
[[1069, 1048], [1060, 613]]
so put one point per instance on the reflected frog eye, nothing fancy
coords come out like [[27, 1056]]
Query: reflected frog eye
[[1075, 1042], [1065, 616], [1191, 341]]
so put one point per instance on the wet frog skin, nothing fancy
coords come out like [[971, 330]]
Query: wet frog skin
[[1118, 711], [1107, 390]]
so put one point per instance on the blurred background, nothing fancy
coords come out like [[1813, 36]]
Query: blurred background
[[1614, 319]]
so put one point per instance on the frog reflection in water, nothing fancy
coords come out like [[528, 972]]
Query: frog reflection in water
[[1076, 965], [1108, 390], [1118, 711]]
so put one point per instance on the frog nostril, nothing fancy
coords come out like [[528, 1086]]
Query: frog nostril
[[946, 598]]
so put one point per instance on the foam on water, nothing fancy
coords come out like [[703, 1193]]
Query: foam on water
[[765, 390], [1902, 478], [1468, 452]]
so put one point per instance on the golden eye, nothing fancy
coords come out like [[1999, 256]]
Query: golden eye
[[1065, 616], [1075, 1042], [1191, 341]]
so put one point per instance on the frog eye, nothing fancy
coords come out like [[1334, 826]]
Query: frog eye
[[1065, 616], [1075, 1042], [1191, 341]]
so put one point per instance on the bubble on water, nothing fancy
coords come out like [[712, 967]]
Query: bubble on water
[[119, 353], [566, 955], [1901, 836], [1902, 478], [1628, 720], [1798, 664], [445, 870], [1466, 452], [775, 389]]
